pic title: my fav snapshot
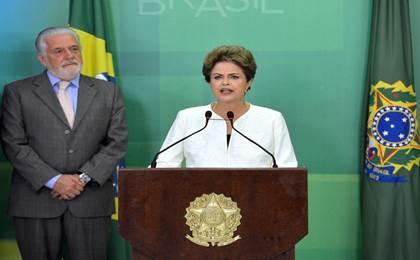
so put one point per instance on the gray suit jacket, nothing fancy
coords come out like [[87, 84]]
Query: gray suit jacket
[[39, 143]]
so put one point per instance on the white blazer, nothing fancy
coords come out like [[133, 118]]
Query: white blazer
[[209, 147]]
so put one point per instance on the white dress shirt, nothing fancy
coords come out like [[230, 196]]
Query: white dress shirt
[[209, 147]]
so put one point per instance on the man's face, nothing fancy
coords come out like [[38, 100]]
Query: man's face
[[62, 56]]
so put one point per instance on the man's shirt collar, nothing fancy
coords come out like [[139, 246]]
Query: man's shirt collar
[[55, 80]]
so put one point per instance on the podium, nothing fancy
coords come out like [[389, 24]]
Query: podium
[[273, 207]]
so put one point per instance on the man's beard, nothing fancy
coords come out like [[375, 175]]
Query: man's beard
[[68, 72]]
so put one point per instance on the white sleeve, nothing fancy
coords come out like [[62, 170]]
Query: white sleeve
[[174, 156], [283, 148]]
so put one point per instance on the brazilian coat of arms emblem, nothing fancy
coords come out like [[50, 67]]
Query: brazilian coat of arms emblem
[[392, 148], [213, 219]]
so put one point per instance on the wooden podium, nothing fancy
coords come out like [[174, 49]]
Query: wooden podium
[[272, 203]]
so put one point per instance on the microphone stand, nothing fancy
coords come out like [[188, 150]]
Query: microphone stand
[[230, 117], [153, 163]]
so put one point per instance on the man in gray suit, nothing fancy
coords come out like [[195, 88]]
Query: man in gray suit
[[64, 134]]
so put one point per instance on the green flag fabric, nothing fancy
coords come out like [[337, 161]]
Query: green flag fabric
[[91, 19], [390, 181]]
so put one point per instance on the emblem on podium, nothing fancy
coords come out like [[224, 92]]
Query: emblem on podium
[[213, 219]]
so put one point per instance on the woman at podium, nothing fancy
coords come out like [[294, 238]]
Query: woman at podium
[[259, 136]]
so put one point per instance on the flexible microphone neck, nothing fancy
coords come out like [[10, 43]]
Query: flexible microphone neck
[[230, 116], [154, 161]]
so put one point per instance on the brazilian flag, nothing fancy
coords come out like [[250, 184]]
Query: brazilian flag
[[391, 181], [91, 19]]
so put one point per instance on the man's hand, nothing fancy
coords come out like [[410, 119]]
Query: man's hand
[[67, 187]]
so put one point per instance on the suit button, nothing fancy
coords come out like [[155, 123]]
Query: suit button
[[71, 151], [67, 132]]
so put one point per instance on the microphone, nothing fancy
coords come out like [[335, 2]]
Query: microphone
[[207, 115], [230, 117]]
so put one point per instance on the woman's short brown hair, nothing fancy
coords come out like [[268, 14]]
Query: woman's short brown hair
[[230, 53]]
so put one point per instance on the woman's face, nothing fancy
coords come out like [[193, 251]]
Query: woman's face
[[228, 82]]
